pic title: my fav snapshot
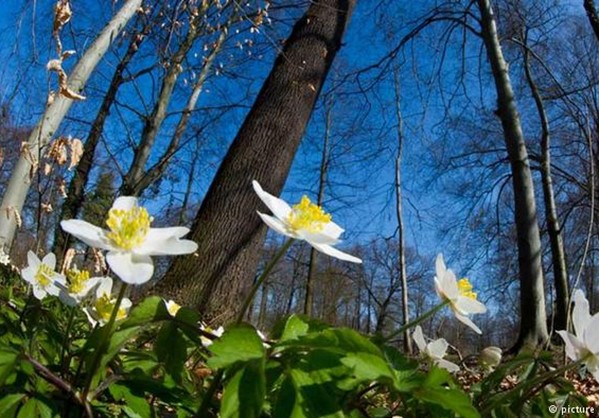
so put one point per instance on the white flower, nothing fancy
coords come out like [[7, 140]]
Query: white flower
[[130, 241], [305, 221], [207, 342], [42, 276], [461, 298], [585, 343], [103, 305], [78, 285], [435, 350], [172, 307], [490, 357], [4, 258]]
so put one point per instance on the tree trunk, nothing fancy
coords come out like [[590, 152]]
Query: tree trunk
[[130, 186], [403, 275], [76, 190], [20, 180], [558, 256], [533, 327], [589, 7], [324, 165], [227, 229]]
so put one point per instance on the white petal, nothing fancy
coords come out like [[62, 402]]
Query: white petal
[[165, 241], [125, 203], [581, 312], [574, 346], [126, 304], [468, 305], [90, 317], [105, 287], [465, 320], [33, 260], [438, 348], [88, 233], [591, 334], [131, 268], [333, 252], [447, 365], [50, 260], [279, 208], [276, 224], [440, 266], [317, 237], [28, 274], [39, 292], [449, 282], [418, 337]]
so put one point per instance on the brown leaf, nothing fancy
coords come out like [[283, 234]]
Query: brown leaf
[[76, 147], [62, 15]]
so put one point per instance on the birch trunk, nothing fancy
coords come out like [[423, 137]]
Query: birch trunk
[[227, 229], [130, 186], [558, 255], [324, 165], [533, 327], [20, 180], [403, 275]]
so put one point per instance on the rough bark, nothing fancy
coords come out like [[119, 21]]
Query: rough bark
[[74, 200], [558, 255], [227, 229], [313, 265], [533, 327], [20, 180], [589, 7]]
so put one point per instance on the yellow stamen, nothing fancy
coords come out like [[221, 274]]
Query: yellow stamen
[[104, 306], [44, 274], [307, 216], [128, 228], [173, 308], [77, 280], [465, 288]]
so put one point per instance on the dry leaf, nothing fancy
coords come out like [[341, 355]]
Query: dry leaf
[[76, 152], [63, 81], [62, 188], [68, 259], [62, 15], [12, 211], [47, 169], [27, 154], [47, 207]]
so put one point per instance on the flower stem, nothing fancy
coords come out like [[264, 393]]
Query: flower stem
[[65, 341], [104, 341], [415, 321], [271, 264]]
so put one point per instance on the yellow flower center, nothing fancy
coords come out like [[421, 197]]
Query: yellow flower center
[[465, 288], [173, 308], [307, 216], [104, 306], [44, 274], [128, 228], [77, 280]]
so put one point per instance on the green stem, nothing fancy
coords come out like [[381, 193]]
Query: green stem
[[416, 321], [105, 340], [218, 377], [65, 342], [271, 264]]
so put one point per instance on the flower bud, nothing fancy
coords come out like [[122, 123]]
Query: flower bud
[[490, 357]]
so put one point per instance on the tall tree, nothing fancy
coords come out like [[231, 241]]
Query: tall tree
[[558, 256], [589, 7], [226, 228], [533, 327], [20, 180]]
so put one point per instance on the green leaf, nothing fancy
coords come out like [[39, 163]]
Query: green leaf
[[133, 397], [150, 310], [314, 398], [298, 325], [36, 407], [171, 350], [439, 389], [9, 403], [8, 361], [243, 395], [239, 343], [368, 367]]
